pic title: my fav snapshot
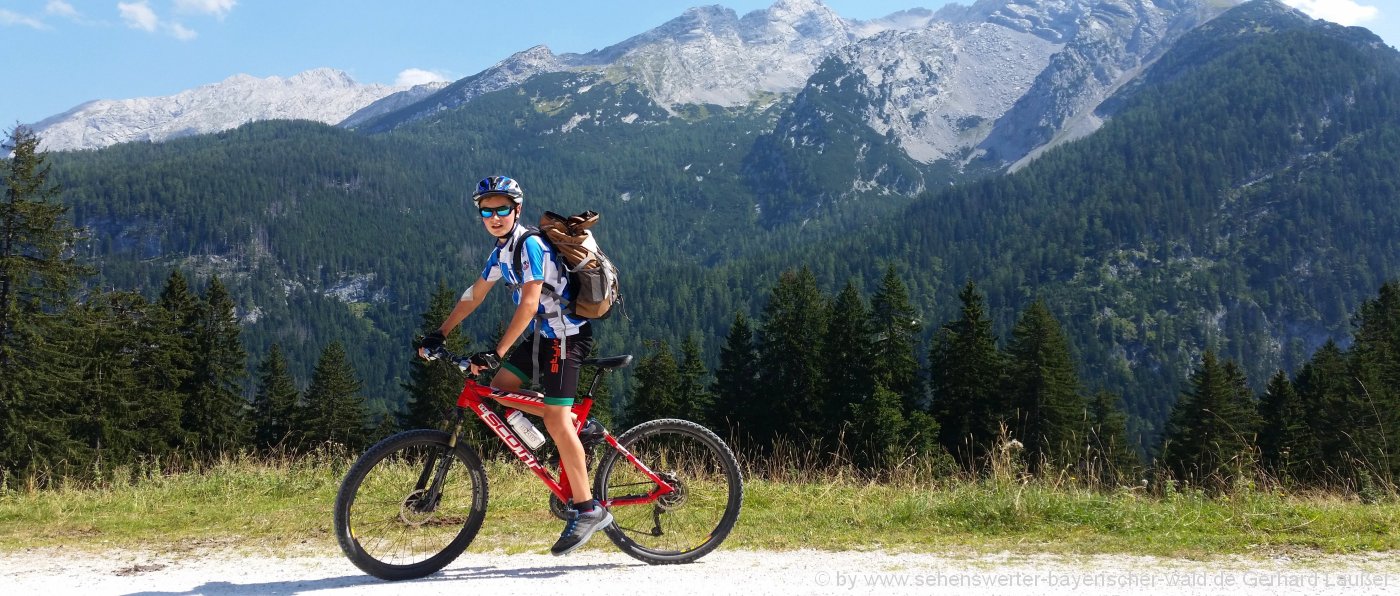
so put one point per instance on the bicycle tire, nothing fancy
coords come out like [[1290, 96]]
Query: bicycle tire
[[700, 462], [376, 506]]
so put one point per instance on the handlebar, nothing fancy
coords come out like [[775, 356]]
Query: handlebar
[[463, 363]]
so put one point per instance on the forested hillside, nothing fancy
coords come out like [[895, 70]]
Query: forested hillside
[[1240, 199]]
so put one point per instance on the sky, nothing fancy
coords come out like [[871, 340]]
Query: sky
[[58, 54]]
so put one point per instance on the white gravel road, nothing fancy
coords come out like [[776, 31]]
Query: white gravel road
[[751, 573]]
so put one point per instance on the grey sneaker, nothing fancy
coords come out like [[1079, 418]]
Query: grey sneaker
[[579, 527]]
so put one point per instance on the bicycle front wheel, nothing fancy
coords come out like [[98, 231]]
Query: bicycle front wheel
[[410, 505], [690, 521]]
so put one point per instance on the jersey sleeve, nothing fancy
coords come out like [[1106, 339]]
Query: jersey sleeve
[[492, 272], [533, 264]]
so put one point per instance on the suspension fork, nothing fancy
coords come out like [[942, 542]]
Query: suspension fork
[[434, 473]]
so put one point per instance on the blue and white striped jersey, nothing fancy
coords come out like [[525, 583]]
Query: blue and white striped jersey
[[538, 262]]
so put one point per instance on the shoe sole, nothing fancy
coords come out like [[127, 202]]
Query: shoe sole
[[606, 521]]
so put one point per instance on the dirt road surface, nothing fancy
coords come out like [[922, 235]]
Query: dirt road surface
[[750, 573]]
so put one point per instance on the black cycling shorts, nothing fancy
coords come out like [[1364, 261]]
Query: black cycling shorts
[[558, 372]]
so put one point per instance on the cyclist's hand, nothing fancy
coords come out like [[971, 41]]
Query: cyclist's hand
[[485, 361], [431, 342]]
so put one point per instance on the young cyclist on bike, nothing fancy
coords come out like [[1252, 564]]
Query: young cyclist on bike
[[557, 341]]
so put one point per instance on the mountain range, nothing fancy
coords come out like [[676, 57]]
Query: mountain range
[[989, 83], [1169, 175]]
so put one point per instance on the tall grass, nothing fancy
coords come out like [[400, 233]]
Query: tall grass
[[796, 497]]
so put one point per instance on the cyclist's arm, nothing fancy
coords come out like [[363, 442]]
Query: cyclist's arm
[[470, 299], [524, 313]]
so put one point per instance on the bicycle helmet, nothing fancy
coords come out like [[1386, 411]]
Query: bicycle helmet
[[498, 185]]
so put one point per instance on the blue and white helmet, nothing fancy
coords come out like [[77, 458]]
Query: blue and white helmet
[[498, 185]]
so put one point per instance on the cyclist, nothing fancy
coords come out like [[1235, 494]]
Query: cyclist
[[556, 340]]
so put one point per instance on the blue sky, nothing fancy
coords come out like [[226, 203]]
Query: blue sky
[[60, 53]]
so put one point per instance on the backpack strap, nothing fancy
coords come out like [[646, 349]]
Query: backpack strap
[[540, 319], [519, 269]]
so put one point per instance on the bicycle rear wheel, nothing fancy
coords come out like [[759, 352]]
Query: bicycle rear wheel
[[688, 523], [387, 520]]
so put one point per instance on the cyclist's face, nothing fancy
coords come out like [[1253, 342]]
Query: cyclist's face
[[498, 225]]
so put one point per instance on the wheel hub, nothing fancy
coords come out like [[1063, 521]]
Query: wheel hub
[[414, 512], [676, 497]]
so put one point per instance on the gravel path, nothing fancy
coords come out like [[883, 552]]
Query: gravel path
[[752, 573]]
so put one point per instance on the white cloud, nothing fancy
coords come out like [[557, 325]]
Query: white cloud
[[62, 9], [218, 8], [417, 76], [1342, 12], [8, 17], [180, 32], [138, 15]]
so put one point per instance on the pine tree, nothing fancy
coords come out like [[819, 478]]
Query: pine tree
[[37, 276], [966, 380], [879, 426], [335, 411], [215, 412], [654, 395], [848, 365], [1284, 426], [790, 348], [1375, 365], [896, 327], [1210, 431], [692, 388], [1044, 389], [433, 386], [1324, 386], [275, 414], [128, 407], [736, 381]]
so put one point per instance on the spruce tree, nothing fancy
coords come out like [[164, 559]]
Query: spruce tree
[[1374, 360], [736, 381], [848, 364], [1324, 386], [790, 348], [692, 388], [879, 427], [1044, 389], [433, 386], [1283, 428], [654, 394], [128, 407], [275, 414], [335, 410], [1210, 431], [215, 412], [966, 380], [895, 325], [37, 275]]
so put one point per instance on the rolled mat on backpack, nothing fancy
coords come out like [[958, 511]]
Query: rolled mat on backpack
[[571, 238]]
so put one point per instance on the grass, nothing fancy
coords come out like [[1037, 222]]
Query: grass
[[283, 505]]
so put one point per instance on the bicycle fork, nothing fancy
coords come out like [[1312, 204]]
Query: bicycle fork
[[434, 473]]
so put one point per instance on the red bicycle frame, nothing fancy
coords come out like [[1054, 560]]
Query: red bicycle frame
[[473, 398]]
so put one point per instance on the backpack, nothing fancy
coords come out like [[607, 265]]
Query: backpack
[[592, 276]]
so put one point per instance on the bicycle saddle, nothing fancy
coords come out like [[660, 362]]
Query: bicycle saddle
[[610, 361]]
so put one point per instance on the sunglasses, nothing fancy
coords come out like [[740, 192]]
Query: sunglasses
[[487, 212]]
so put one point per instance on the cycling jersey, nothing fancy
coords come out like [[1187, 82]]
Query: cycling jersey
[[539, 262]]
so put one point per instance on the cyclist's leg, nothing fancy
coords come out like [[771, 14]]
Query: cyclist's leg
[[558, 420], [509, 380], [560, 379]]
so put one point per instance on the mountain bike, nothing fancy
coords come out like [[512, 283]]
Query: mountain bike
[[413, 502]]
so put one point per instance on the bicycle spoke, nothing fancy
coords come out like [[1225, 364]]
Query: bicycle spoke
[[389, 527], [700, 505]]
